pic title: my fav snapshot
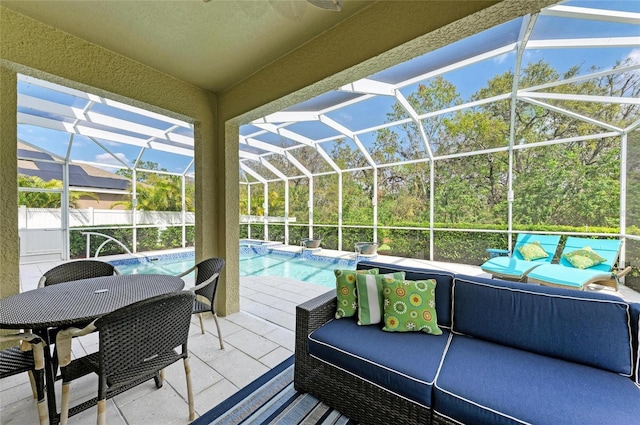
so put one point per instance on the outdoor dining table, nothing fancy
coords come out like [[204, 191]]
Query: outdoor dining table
[[77, 303]]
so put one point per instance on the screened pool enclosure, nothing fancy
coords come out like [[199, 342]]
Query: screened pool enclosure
[[530, 126]]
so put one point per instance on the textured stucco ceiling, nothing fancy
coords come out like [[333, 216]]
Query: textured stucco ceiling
[[212, 45]]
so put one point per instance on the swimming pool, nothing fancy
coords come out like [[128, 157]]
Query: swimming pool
[[254, 261]]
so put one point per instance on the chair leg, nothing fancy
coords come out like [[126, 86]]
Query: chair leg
[[187, 372], [64, 404], [102, 412], [215, 317], [37, 380], [33, 385], [159, 379], [43, 410], [201, 323]]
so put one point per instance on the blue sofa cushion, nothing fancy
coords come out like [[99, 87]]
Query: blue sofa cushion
[[588, 328], [443, 279], [635, 330], [402, 363], [485, 383]]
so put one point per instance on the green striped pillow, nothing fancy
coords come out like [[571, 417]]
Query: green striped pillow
[[370, 299]]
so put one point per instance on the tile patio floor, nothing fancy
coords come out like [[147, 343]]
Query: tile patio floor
[[256, 339]]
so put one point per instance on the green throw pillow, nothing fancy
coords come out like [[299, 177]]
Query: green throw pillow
[[370, 299], [410, 306], [346, 291], [532, 251], [584, 258]]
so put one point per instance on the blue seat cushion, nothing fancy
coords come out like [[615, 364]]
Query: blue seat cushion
[[588, 328], [485, 383], [402, 363], [444, 281], [572, 277], [510, 267]]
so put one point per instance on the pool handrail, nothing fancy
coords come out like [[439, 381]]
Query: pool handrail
[[109, 238]]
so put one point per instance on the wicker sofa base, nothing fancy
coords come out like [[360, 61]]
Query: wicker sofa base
[[437, 419], [366, 403]]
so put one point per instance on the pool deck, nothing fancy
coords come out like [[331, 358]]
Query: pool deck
[[256, 339]]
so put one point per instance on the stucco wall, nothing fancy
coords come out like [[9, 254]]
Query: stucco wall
[[9, 250]]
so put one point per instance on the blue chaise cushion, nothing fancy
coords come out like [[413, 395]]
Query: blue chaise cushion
[[588, 328], [443, 279], [485, 383], [402, 363]]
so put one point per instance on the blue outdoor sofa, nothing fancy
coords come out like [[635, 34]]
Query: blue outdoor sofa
[[509, 353]]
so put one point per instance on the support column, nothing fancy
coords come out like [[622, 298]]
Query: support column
[[9, 248]]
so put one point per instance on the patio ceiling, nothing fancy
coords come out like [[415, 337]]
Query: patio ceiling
[[210, 44]]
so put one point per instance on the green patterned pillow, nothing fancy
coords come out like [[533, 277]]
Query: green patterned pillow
[[584, 258], [346, 291], [410, 306], [532, 251], [370, 299]]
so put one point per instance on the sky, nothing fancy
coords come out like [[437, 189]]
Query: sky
[[370, 113]]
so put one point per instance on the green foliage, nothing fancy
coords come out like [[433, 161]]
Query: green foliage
[[148, 238], [46, 199], [158, 192]]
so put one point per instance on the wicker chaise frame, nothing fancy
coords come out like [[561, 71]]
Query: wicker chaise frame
[[356, 398]]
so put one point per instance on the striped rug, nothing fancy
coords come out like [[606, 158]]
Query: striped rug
[[271, 399]]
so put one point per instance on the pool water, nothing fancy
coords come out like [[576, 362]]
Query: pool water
[[307, 270], [251, 264], [172, 266]]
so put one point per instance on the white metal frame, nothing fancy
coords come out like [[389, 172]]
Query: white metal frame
[[367, 88]]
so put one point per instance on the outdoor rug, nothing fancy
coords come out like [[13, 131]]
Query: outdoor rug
[[271, 399]]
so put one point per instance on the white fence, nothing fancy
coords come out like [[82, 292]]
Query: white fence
[[42, 234], [51, 218]]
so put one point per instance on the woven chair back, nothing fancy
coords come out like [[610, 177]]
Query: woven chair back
[[76, 270], [138, 337], [206, 269]]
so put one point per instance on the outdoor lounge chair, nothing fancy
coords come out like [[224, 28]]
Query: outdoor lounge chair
[[515, 267], [565, 275]]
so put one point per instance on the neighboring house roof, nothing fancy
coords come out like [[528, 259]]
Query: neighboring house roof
[[80, 175]]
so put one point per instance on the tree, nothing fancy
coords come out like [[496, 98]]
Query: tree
[[46, 199], [158, 192]]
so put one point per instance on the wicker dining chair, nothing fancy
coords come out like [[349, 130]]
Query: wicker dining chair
[[76, 270], [136, 343], [206, 286], [29, 357]]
